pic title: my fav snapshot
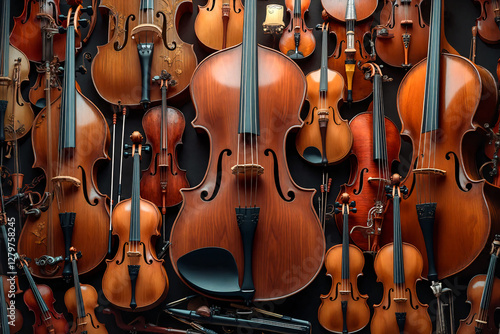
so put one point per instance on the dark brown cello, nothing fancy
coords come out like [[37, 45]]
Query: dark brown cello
[[219, 24], [135, 279], [344, 264], [69, 137], [143, 40], [375, 148], [297, 41], [488, 23], [483, 293], [247, 217], [398, 266], [81, 300], [401, 39]]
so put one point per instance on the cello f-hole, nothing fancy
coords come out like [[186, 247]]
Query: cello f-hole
[[117, 45], [164, 33], [290, 194], [204, 193], [468, 185]]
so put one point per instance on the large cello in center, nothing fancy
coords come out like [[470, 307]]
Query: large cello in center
[[248, 98]]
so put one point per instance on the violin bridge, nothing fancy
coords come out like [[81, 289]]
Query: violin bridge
[[145, 28], [248, 170], [400, 300], [57, 180], [430, 171], [133, 254]]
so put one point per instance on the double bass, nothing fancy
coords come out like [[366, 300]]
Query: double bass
[[143, 39], [69, 137], [247, 207], [344, 264], [297, 41], [135, 280], [483, 293], [219, 24]]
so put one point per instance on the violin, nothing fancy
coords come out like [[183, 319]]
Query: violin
[[247, 216], [402, 40], [297, 41], [219, 24], [325, 137], [143, 40], [398, 266], [350, 31], [438, 178], [69, 137], [161, 181], [375, 148], [488, 23], [135, 280], [40, 300], [344, 264], [81, 300], [483, 293], [11, 317]]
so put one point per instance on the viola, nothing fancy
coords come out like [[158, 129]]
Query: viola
[[81, 300], [297, 41], [375, 148], [488, 23], [325, 137], [344, 264], [135, 280], [403, 37], [69, 138], [438, 179], [483, 293], [161, 181], [219, 24], [247, 216], [40, 300], [143, 40], [398, 266], [350, 31]]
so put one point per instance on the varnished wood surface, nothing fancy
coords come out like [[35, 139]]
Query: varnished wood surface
[[90, 297], [487, 28], [307, 41], [58, 321], [337, 8]]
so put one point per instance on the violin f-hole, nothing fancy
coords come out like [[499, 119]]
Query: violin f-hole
[[291, 194], [204, 193], [117, 45]]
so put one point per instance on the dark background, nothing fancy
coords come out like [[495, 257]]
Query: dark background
[[193, 156]]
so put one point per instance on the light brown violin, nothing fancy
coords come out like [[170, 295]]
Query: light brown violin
[[297, 41]]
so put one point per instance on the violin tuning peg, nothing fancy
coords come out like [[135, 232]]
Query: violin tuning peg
[[88, 10], [337, 205], [388, 189], [126, 154], [352, 204], [319, 26], [354, 210], [81, 70], [62, 30], [155, 78], [146, 148], [127, 146], [404, 190], [62, 17], [337, 211], [83, 23]]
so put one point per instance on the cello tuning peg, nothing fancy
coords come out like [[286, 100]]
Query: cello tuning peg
[[61, 30], [337, 205], [336, 211], [156, 79], [88, 10], [404, 190], [354, 210], [127, 146], [126, 154], [352, 204], [83, 23], [62, 17], [146, 148]]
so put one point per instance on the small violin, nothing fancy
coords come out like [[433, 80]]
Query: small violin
[[488, 23], [297, 41]]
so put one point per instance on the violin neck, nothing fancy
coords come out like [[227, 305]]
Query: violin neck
[[3, 309], [379, 137], [249, 94], [323, 79], [488, 285], [430, 120], [67, 127], [5, 29], [399, 270], [80, 307], [345, 247], [350, 12], [38, 297], [164, 118], [297, 9], [135, 210]]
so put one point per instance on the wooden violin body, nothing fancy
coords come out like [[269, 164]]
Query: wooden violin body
[[402, 40], [488, 23], [297, 40], [337, 8], [119, 86], [219, 24], [59, 324]]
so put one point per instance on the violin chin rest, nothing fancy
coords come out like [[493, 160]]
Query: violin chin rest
[[212, 271]]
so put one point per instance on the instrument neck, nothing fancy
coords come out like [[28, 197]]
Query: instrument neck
[[297, 9], [379, 136], [431, 98], [67, 127], [323, 80], [488, 285], [80, 307], [135, 210], [3, 309], [345, 247], [249, 94], [146, 11], [399, 270], [38, 297], [5, 29], [164, 122]]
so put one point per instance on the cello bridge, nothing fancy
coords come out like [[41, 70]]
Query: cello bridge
[[247, 170], [430, 171]]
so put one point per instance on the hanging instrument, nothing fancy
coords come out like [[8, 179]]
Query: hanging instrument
[[297, 41], [81, 300], [135, 280], [344, 309], [69, 137], [247, 217], [398, 266], [219, 24], [483, 293], [488, 23]]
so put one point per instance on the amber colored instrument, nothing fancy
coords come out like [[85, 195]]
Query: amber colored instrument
[[40, 300], [344, 264], [11, 318], [438, 112], [143, 40], [483, 293], [297, 41], [325, 137], [135, 279], [398, 266], [337, 8], [81, 300], [488, 23], [401, 39], [350, 31], [247, 217], [69, 137], [219, 24], [375, 148]]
